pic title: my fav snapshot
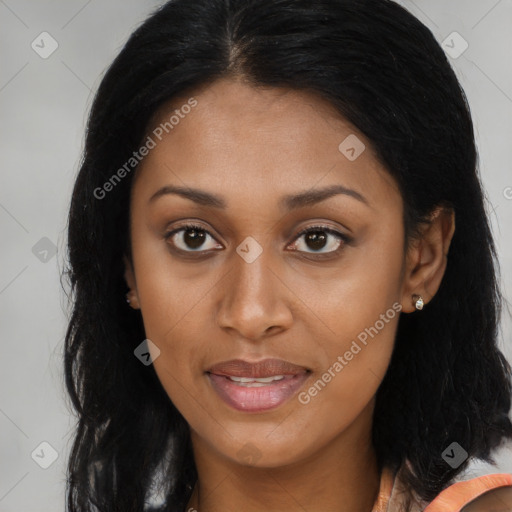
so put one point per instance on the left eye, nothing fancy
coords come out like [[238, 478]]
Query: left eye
[[317, 238], [191, 238]]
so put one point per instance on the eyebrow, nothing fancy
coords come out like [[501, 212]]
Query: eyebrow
[[289, 202]]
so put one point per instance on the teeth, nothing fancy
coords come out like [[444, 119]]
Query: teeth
[[255, 382]]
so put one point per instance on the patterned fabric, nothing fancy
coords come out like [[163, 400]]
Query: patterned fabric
[[393, 497]]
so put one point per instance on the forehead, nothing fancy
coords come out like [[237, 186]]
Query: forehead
[[230, 111], [239, 138]]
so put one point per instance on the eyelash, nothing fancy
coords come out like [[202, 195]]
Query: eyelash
[[344, 239]]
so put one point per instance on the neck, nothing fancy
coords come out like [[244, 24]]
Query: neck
[[341, 476]]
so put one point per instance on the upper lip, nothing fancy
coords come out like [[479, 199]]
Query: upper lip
[[259, 369]]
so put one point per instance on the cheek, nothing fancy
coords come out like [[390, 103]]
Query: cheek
[[183, 346], [167, 290], [170, 310], [357, 365], [353, 296], [358, 359], [360, 308]]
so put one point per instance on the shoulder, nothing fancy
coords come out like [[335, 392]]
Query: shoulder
[[491, 492], [486, 493], [495, 500]]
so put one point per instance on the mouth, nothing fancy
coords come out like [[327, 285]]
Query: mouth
[[256, 387]]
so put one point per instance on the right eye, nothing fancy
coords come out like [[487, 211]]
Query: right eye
[[190, 238]]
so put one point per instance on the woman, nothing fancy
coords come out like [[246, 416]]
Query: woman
[[285, 293]]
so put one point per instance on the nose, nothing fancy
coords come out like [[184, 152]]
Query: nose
[[254, 301]]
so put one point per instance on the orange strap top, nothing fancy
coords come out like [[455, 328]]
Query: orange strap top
[[452, 499]]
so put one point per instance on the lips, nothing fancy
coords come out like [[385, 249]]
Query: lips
[[264, 368], [256, 387]]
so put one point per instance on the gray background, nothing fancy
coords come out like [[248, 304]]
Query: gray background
[[44, 103]]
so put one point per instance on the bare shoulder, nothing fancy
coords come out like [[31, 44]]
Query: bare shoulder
[[495, 500]]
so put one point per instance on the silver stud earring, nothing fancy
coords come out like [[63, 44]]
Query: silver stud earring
[[127, 298], [417, 300]]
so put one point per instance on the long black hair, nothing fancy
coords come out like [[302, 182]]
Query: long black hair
[[386, 74]]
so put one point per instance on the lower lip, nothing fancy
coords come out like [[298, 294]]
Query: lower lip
[[257, 399]]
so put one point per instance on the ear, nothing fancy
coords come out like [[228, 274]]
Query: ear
[[427, 257], [129, 277]]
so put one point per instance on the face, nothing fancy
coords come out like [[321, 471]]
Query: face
[[268, 265]]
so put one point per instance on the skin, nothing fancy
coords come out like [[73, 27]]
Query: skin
[[497, 500], [252, 146]]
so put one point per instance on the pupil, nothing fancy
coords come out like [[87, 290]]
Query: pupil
[[196, 239], [316, 240]]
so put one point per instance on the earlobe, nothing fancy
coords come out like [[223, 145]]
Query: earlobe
[[426, 260], [129, 276]]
